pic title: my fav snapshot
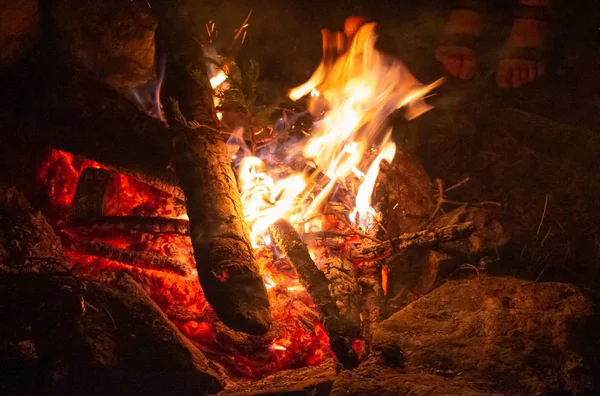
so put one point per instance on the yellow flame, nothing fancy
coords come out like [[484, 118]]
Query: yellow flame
[[265, 201], [218, 79], [359, 91]]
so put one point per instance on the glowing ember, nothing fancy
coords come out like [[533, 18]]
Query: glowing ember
[[218, 79]]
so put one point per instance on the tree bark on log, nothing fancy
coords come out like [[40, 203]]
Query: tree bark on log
[[139, 259], [104, 225], [404, 241], [340, 332], [224, 256], [343, 286], [73, 112]]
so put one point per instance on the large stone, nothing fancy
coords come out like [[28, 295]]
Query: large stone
[[483, 336], [63, 335]]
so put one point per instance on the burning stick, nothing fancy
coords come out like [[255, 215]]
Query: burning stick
[[141, 259], [339, 330], [343, 286], [145, 224], [404, 241], [224, 256], [372, 292]]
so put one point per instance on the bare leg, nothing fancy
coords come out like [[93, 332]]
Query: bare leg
[[457, 54], [524, 57]]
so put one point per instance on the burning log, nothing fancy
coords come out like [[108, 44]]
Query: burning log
[[342, 285], [372, 293], [144, 224], [404, 241], [224, 257], [340, 331], [140, 259], [90, 193]]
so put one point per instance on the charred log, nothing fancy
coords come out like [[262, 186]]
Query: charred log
[[340, 331], [89, 194], [404, 241], [372, 294], [224, 257], [73, 112], [327, 239], [342, 285], [139, 259], [109, 225]]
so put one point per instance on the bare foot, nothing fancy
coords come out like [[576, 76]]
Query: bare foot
[[524, 58], [457, 54]]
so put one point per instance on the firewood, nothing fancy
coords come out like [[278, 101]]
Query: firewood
[[118, 224], [220, 237], [328, 239], [404, 241], [372, 294], [339, 330], [73, 112], [342, 285], [89, 193], [141, 259]]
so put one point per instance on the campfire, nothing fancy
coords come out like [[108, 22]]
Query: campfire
[[242, 253], [316, 233]]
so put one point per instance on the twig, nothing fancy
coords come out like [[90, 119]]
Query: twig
[[440, 201], [477, 204], [354, 229], [543, 216], [459, 184]]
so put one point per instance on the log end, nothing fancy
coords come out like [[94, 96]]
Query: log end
[[234, 289], [239, 300]]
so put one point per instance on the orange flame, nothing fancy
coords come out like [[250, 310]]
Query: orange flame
[[361, 89]]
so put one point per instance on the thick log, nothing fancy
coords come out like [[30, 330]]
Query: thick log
[[340, 332], [342, 285], [228, 273], [89, 193], [27, 242], [55, 104], [372, 294], [140, 259]]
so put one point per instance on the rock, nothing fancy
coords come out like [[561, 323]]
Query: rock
[[19, 29], [64, 335], [490, 335], [112, 39], [69, 337], [419, 269], [371, 378], [305, 381]]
